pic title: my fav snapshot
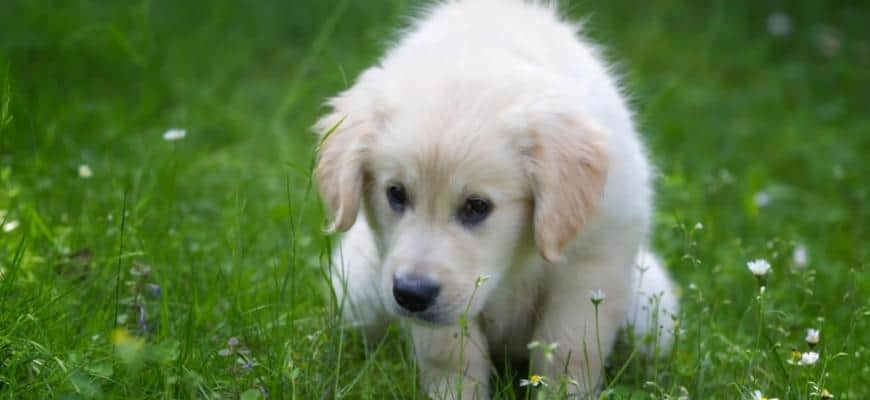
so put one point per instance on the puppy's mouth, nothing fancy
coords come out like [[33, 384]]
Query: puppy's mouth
[[428, 317]]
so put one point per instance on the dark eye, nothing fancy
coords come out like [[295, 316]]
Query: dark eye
[[397, 197], [474, 211]]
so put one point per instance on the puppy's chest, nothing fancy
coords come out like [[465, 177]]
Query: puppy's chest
[[509, 317]]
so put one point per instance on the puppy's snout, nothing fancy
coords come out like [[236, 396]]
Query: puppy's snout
[[415, 294]]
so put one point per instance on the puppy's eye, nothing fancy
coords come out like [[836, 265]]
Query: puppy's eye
[[474, 211], [397, 197]]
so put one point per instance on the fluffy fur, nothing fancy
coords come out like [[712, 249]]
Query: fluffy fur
[[504, 100]]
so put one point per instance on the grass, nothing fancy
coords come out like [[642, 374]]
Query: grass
[[225, 221]]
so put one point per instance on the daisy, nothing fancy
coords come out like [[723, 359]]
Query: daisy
[[534, 381], [10, 226], [813, 336], [795, 357], [761, 199], [800, 257], [759, 267], [757, 395], [597, 296], [85, 171], [232, 347], [809, 358], [174, 134]]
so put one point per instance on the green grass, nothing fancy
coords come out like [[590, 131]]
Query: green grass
[[229, 226]]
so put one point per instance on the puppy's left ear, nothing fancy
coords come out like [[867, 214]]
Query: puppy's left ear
[[567, 162], [342, 157]]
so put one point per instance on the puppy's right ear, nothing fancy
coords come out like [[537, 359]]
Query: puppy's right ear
[[342, 156], [567, 160]]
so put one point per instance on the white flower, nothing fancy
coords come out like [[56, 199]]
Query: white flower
[[174, 134], [759, 267], [757, 395], [809, 358], [534, 381], [795, 357], [800, 257], [597, 296], [699, 226], [85, 171], [10, 226], [813, 336], [779, 24], [761, 199]]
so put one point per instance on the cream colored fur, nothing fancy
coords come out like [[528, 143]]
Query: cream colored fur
[[500, 99]]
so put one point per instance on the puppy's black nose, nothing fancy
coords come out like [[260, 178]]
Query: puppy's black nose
[[415, 294]]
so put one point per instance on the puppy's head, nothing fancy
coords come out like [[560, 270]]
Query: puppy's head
[[460, 179]]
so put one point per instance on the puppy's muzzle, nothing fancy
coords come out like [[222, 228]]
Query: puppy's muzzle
[[415, 294]]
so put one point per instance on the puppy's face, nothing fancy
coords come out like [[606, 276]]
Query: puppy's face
[[451, 207], [456, 186]]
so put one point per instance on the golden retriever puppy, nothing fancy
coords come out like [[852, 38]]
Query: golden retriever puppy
[[501, 181]]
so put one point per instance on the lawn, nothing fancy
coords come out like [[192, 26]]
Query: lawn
[[132, 266]]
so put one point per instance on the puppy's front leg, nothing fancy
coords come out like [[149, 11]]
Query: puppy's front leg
[[569, 319], [453, 364]]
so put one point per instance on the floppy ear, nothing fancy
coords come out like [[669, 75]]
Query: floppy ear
[[342, 156], [567, 162]]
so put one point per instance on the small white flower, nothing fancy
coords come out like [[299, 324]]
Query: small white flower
[[597, 296], [85, 171], [534, 381], [813, 336], [761, 199], [757, 395], [800, 257], [699, 226], [10, 226], [795, 357], [779, 24], [174, 134], [759, 267], [809, 358]]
